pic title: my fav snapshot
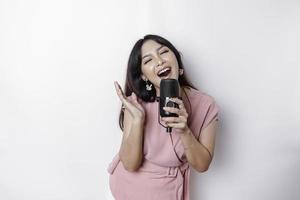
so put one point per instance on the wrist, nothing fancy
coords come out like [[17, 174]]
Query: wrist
[[186, 131], [187, 139], [186, 135]]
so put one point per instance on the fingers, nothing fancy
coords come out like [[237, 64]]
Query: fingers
[[172, 109], [178, 101], [134, 99], [176, 125], [179, 111], [172, 119], [134, 96], [121, 95], [119, 90], [179, 122], [128, 102]]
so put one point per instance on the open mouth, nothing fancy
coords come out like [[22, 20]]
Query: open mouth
[[164, 73]]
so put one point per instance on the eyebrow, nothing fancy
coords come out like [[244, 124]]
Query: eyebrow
[[156, 50]]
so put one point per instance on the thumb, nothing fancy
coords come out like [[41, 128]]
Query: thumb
[[134, 96], [135, 99]]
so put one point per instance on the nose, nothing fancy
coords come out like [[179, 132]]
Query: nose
[[160, 61]]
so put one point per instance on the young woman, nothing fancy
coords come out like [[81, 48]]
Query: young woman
[[151, 163]]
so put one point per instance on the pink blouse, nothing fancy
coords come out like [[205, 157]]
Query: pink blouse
[[165, 171]]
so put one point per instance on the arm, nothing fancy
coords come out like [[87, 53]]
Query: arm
[[200, 154], [131, 150]]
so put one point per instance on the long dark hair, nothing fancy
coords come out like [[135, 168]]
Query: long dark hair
[[135, 83]]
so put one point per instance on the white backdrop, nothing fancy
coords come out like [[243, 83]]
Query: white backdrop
[[59, 110]]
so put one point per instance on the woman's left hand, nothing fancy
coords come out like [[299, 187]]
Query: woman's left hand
[[179, 122]]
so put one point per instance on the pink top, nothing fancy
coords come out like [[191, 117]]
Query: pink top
[[165, 171]]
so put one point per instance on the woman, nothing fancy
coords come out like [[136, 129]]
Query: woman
[[151, 163]]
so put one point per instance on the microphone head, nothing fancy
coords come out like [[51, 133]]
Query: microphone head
[[169, 88]]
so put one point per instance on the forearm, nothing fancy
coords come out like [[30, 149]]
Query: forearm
[[131, 151], [197, 154]]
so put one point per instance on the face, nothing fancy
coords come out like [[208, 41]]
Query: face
[[158, 62]]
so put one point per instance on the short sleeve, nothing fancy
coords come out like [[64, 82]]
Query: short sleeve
[[208, 111], [211, 112], [204, 111]]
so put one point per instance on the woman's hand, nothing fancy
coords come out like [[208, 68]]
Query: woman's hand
[[135, 109], [179, 122]]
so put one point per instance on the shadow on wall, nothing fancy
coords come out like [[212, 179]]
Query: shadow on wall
[[223, 157]]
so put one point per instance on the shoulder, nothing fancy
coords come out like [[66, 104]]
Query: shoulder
[[198, 96]]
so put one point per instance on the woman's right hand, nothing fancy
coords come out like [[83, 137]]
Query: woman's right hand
[[135, 109]]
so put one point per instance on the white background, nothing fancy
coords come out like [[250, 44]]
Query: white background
[[59, 110]]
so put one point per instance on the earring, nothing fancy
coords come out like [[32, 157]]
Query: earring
[[180, 71], [148, 87]]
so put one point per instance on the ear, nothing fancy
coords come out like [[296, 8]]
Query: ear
[[180, 71], [143, 77]]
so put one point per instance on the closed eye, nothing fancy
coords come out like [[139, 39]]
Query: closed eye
[[164, 52], [160, 53], [147, 61]]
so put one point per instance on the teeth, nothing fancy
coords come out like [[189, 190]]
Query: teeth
[[162, 71]]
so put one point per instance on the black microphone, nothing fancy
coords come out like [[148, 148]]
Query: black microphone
[[169, 88]]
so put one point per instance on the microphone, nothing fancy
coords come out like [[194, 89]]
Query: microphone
[[169, 88]]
